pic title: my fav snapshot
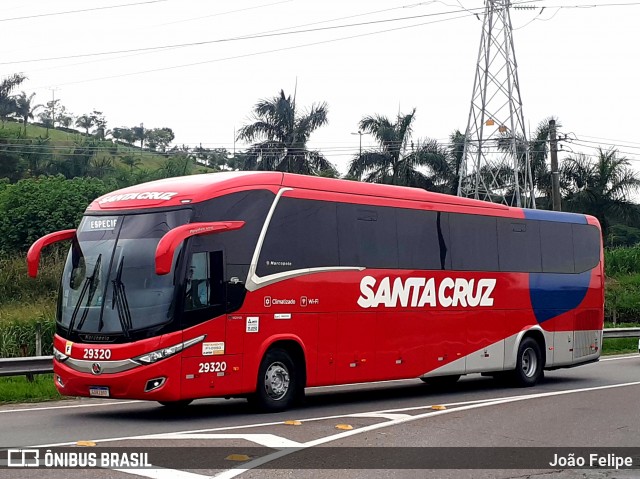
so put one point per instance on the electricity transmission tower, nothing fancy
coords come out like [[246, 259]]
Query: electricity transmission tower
[[495, 164]]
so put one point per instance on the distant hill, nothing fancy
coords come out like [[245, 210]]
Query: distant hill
[[63, 140]]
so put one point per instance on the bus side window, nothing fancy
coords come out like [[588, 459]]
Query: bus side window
[[204, 286]]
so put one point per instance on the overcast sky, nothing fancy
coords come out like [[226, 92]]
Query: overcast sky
[[578, 64]]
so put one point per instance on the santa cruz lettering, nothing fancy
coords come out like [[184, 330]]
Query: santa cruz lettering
[[145, 195], [421, 292]]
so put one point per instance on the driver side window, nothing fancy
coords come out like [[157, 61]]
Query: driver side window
[[198, 291]]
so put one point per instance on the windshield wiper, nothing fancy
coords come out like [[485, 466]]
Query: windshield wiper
[[91, 286], [120, 300]]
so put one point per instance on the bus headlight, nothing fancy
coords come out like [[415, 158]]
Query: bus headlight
[[59, 356], [155, 356]]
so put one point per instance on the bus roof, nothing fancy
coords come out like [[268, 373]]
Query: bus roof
[[197, 188]]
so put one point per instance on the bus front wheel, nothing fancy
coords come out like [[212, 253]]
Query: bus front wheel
[[529, 363], [278, 382]]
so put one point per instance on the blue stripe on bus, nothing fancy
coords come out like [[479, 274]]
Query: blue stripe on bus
[[555, 216], [553, 294]]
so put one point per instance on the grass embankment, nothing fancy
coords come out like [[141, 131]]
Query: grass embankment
[[62, 140], [20, 389]]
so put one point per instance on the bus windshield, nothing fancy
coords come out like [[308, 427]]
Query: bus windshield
[[109, 285]]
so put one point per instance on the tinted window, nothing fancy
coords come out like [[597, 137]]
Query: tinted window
[[367, 236], [302, 234], [474, 242], [519, 245], [556, 241], [586, 247], [422, 239], [248, 206]]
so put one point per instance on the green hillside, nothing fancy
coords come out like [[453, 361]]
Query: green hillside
[[61, 143]]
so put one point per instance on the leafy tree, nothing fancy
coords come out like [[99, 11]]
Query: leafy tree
[[24, 108], [100, 123], [601, 188], [177, 165], [398, 159], [216, 158], [34, 207], [139, 134], [280, 134], [124, 134], [159, 138], [9, 157], [7, 102], [63, 117]]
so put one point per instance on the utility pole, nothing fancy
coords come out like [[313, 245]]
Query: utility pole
[[555, 174], [359, 133], [53, 108]]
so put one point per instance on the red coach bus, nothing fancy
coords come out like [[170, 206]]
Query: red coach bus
[[261, 284]]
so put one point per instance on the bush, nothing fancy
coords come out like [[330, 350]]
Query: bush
[[34, 207], [18, 336], [17, 286], [618, 261]]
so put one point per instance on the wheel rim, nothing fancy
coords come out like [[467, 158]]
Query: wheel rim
[[276, 381], [529, 362]]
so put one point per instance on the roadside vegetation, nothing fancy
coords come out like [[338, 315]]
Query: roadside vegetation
[[20, 389]]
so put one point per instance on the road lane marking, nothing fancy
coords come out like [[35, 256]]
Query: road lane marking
[[163, 473], [70, 406], [618, 358], [231, 473], [381, 415], [268, 440], [338, 416]]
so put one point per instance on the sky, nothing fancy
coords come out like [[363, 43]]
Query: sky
[[577, 63]]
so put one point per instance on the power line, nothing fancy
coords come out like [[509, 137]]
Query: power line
[[79, 11], [264, 52], [231, 39]]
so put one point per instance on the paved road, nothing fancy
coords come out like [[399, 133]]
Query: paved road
[[590, 406]]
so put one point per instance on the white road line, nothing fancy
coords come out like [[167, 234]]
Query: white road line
[[70, 406], [255, 425], [163, 473], [380, 415], [267, 440], [322, 418], [618, 358], [230, 474]]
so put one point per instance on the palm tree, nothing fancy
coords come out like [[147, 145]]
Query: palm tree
[[601, 188], [24, 108], [86, 122], [131, 161], [538, 153], [7, 102], [445, 168], [397, 159], [281, 134]]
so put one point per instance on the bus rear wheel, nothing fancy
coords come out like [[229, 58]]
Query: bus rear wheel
[[529, 363], [278, 382]]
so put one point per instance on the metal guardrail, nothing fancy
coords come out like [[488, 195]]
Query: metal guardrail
[[44, 364], [26, 366], [622, 333]]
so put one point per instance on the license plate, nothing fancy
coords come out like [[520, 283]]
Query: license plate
[[99, 391]]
